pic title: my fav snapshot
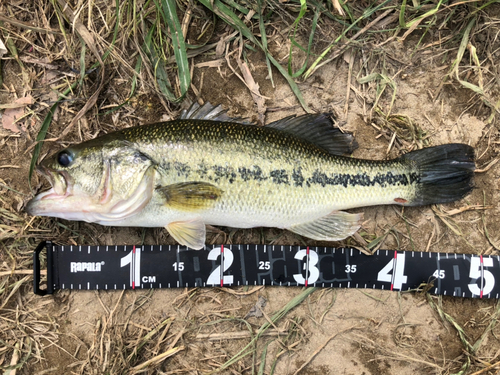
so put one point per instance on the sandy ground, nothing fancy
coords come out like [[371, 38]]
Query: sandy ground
[[331, 331]]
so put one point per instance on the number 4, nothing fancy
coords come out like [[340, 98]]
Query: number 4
[[398, 278]]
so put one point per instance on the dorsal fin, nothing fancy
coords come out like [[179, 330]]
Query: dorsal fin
[[208, 112], [318, 129]]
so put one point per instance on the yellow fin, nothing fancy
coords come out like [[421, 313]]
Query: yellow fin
[[188, 233], [334, 227], [191, 196]]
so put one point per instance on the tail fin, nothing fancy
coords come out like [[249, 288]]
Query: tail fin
[[446, 173]]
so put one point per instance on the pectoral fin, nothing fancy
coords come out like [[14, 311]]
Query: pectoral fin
[[191, 196], [333, 227], [188, 233]]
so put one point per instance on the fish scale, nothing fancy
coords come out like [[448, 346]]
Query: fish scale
[[255, 168]]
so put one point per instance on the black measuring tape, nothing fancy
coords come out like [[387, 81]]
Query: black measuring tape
[[156, 266]]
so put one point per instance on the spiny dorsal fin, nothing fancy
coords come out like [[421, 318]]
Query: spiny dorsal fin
[[208, 112], [190, 196], [318, 129]]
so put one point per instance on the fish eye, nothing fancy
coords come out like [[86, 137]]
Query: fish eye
[[64, 158]]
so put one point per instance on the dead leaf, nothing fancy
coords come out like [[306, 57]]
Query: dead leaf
[[256, 310], [221, 46], [3, 50], [254, 90], [13, 112]]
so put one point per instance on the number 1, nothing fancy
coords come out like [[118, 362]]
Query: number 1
[[134, 259]]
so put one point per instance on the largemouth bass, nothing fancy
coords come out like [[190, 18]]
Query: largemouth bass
[[206, 168]]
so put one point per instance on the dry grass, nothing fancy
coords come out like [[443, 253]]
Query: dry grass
[[90, 67]]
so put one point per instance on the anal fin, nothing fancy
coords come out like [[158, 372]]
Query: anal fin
[[334, 227], [188, 233]]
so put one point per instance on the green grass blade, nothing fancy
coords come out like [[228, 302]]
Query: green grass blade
[[248, 349], [82, 63], [9, 43], [425, 15], [228, 16], [303, 9], [115, 32], [43, 131], [263, 38], [402, 22], [365, 15], [308, 51], [159, 69], [463, 46], [170, 17], [240, 7], [471, 86], [137, 69], [263, 360]]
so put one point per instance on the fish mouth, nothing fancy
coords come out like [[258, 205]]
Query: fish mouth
[[60, 183], [61, 188]]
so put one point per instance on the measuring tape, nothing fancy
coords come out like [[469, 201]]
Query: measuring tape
[[156, 266]]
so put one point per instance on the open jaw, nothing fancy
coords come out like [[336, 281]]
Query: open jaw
[[67, 200], [60, 183], [47, 203]]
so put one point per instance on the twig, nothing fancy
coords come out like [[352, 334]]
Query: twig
[[486, 369], [158, 358], [21, 272], [237, 335], [27, 26]]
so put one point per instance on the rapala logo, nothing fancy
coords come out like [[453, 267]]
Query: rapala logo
[[85, 266]]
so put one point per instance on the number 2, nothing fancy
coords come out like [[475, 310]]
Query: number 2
[[227, 260]]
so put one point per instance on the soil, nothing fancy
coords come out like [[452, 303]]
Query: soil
[[332, 331]]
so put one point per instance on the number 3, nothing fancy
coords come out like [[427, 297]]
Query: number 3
[[313, 271]]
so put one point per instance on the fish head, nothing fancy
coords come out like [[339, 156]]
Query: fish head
[[103, 182]]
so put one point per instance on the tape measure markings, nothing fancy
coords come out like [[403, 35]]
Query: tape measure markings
[[160, 266]]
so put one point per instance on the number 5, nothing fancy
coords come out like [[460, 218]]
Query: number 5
[[475, 273]]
